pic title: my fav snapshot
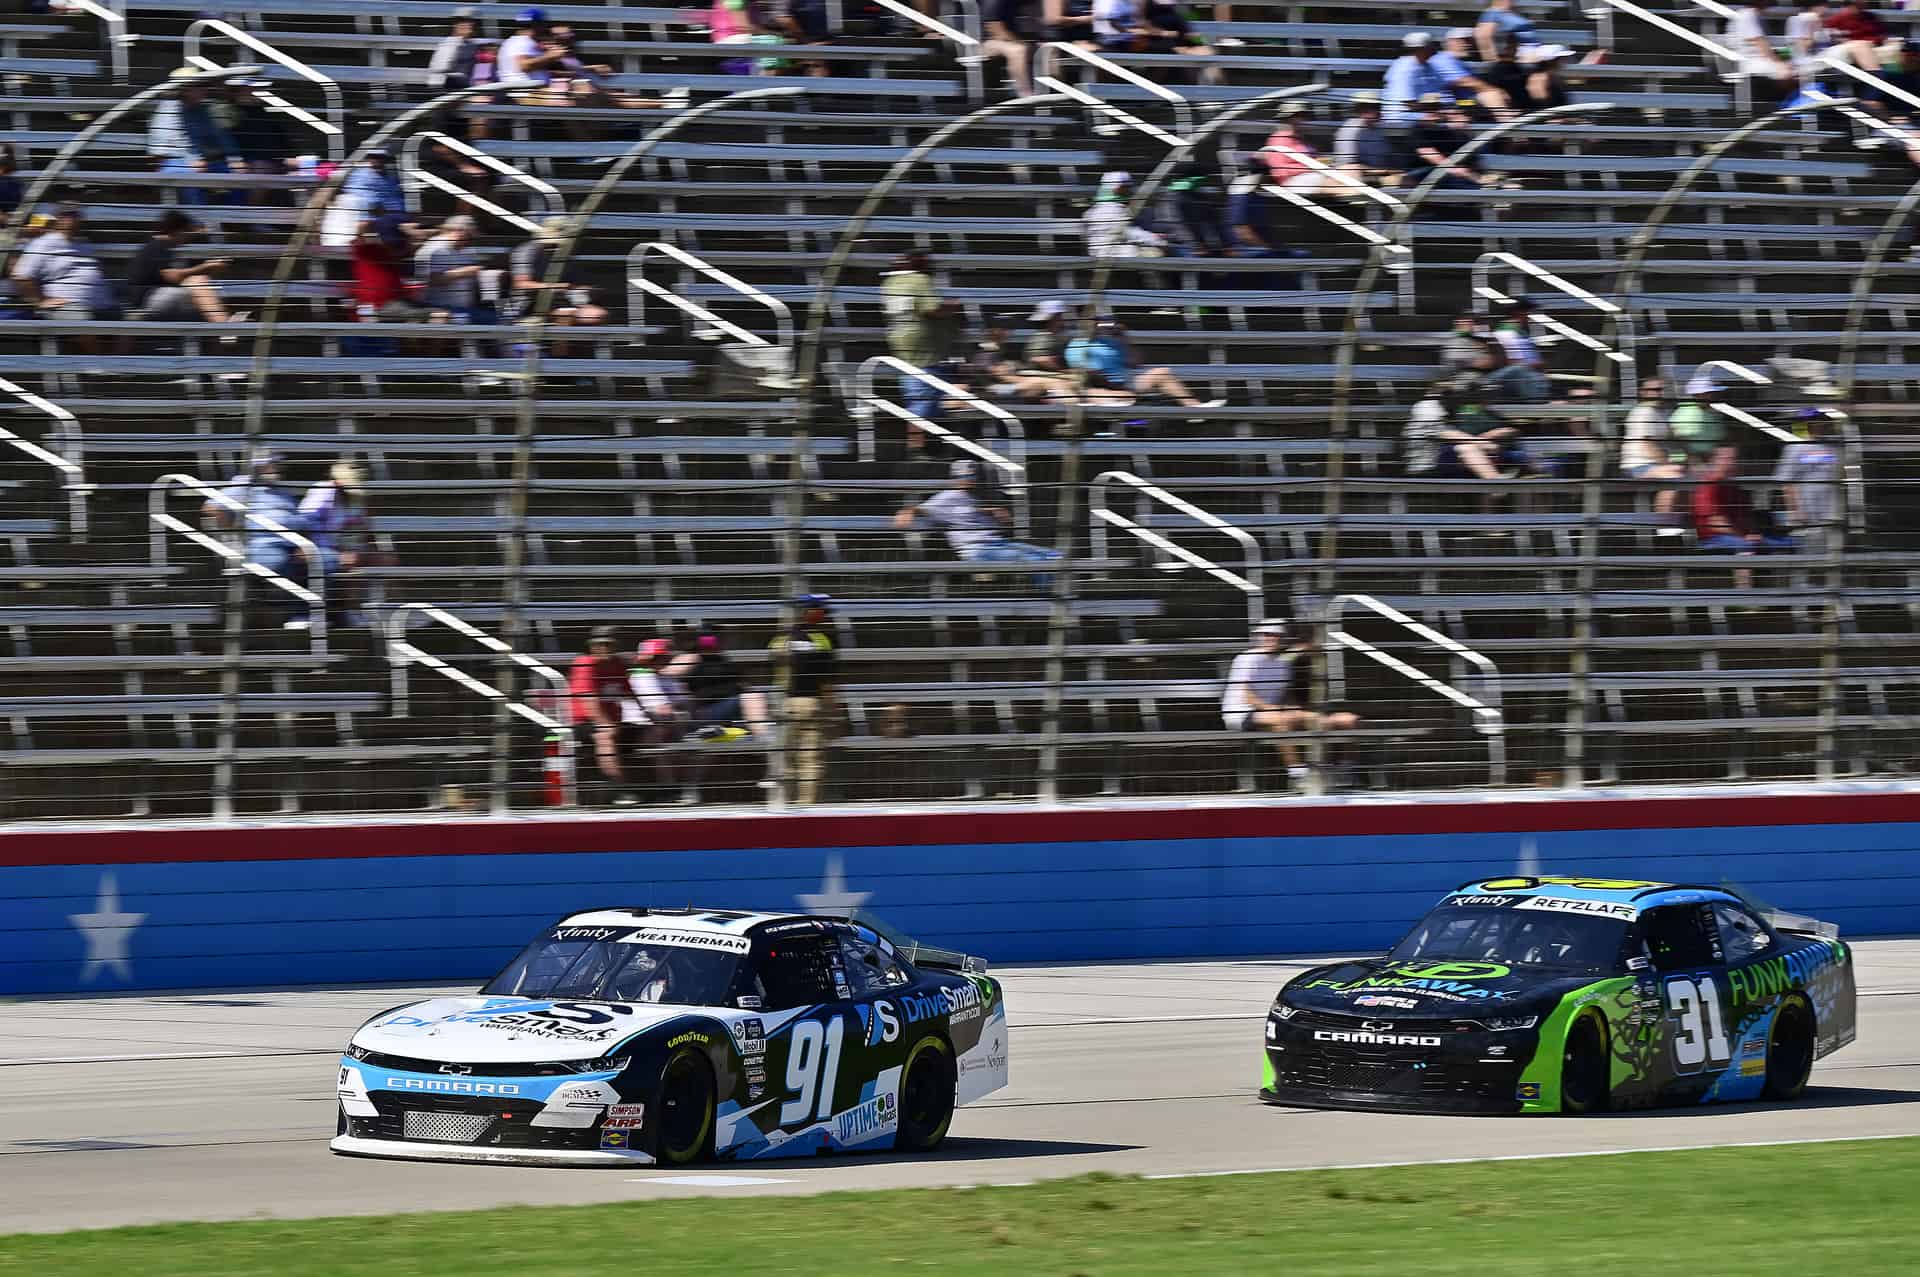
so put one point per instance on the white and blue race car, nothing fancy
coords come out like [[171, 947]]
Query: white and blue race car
[[626, 1036]]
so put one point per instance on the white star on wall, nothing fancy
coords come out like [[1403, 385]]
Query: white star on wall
[[107, 932], [833, 896]]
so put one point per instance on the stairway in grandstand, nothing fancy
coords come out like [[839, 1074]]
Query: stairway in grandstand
[[658, 497]]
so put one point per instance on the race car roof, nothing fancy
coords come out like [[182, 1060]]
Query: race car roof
[[730, 922], [1633, 892]]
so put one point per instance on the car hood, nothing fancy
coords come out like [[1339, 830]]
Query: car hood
[[1440, 990], [481, 1030]]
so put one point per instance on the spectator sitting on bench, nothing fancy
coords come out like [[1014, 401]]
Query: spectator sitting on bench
[[1144, 26], [1265, 693], [374, 184], [449, 268], [59, 276], [1647, 448], [1412, 78], [1857, 34], [1503, 381], [1437, 135], [160, 290], [1362, 150], [1694, 425], [1809, 477], [1502, 21], [451, 66], [265, 497], [1451, 64], [1464, 345], [974, 531], [11, 192], [1291, 162], [1724, 518], [1108, 361], [920, 328], [1451, 435], [1006, 25], [260, 139], [607, 720], [186, 137], [1108, 224], [658, 680], [524, 55], [335, 513], [723, 704]]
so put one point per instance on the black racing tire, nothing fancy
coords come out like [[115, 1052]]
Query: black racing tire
[[1584, 1083], [927, 1085], [681, 1119], [1789, 1050]]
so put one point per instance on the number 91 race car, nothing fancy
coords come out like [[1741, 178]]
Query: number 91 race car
[[1567, 995], [626, 1036]]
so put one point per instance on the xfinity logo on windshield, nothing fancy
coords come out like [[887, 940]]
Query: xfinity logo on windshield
[[1375, 1039]]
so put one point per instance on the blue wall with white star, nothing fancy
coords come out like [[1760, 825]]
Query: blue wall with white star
[[453, 917]]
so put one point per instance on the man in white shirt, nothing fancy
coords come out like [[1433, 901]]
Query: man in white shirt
[[1264, 694], [521, 55], [450, 269]]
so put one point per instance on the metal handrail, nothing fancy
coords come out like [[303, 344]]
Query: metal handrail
[[1126, 118], [333, 129], [1046, 64], [113, 32], [72, 467], [1742, 89], [401, 655], [966, 42], [313, 594], [1247, 580], [1488, 719], [639, 287], [410, 170], [1485, 291]]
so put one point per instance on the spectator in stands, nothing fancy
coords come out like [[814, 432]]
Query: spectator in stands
[[1507, 74], [1291, 162], [572, 306], [10, 189], [449, 269], [382, 255], [268, 501], [373, 184], [187, 137], [1266, 692], [59, 276], [1250, 212], [1109, 226], [334, 512], [452, 64], [1808, 40], [1046, 349], [1361, 149], [1450, 434], [1501, 21], [1144, 26], [1503, 381], [260, 141], [1545, 65], [524, 55], [1451, 64], [723, 705], [606, 718], [1724, 518], [1695, 426], [1412, 78], [1108, 361], [920, 328], [1514, 332], [1437, 135], [1809, 477], [1647, 445], [975, 532], [1857, 34], [160, 289], [1069, 21], [1006, 24], [1195, 188], [1463, 349], [806, 671], [992, 370]]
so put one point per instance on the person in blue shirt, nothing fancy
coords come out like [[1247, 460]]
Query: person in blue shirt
[[1501, 22], [266, 498], [1451, 63], [373, 184], [1108, 361], [1410, 77]]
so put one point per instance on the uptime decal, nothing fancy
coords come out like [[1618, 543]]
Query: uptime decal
[[871, 1118]]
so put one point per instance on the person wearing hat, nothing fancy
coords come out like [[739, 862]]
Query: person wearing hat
[[1411, 78], [1725, 520], [1809, 476], [158, 289], [260, 141], [1451, 64], [920, 329], [449, 268], [1249, 218], [268, 500], [1545, 65], [607, 719], [1046, 349], [1291, 162], [451, 66], [1694, 425], [59, 275], [1438, 133], [335, 511], [1501, 21], [806, 670], [1108, 224], [1265, 692], [977, 533], [525, 55], [372, 184], [1107, 359], [187, 137], [1361, 148]]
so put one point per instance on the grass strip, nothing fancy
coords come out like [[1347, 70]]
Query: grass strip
[[1826, 1208]]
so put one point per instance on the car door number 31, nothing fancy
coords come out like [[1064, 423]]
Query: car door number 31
[[1700, 1031], [813, 1065]]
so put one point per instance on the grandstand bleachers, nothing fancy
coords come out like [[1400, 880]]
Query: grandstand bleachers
[[656, 495]]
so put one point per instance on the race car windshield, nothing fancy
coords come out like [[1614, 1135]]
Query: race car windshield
[[1515, 937], [611, 971]]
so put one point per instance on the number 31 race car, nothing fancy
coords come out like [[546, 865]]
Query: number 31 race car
[[628, 1036], [1568, 995]]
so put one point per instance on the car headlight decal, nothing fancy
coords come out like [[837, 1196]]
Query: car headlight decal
[[1509, 1023]]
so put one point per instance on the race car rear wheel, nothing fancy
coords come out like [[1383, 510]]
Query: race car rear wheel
[[683, 1110], [1584, 1086], [1789, 1050], [926, 1096]]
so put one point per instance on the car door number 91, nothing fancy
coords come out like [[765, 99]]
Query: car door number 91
[[1700, 1031], [813, 1065]]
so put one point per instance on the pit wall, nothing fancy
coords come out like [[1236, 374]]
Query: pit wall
[[141, 908]]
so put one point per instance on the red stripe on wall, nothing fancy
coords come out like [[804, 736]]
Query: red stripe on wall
[[135, 845]]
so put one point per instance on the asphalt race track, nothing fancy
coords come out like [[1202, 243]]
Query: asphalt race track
[[147, 1109]]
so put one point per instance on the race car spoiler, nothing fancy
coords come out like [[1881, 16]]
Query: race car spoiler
[[1801, 925]]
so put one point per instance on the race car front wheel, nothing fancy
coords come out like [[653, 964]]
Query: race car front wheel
[[926, 1096], [1789, 1050], [1584, 1087], [683, 1110]]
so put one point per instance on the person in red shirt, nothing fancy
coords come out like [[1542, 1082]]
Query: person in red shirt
[[606, 717], [1724, 520], [1857, 34]]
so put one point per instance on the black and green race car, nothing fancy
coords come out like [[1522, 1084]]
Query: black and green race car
[[1567, 995]]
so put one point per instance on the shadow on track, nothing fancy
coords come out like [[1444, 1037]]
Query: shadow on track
[[1817, 1097]]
